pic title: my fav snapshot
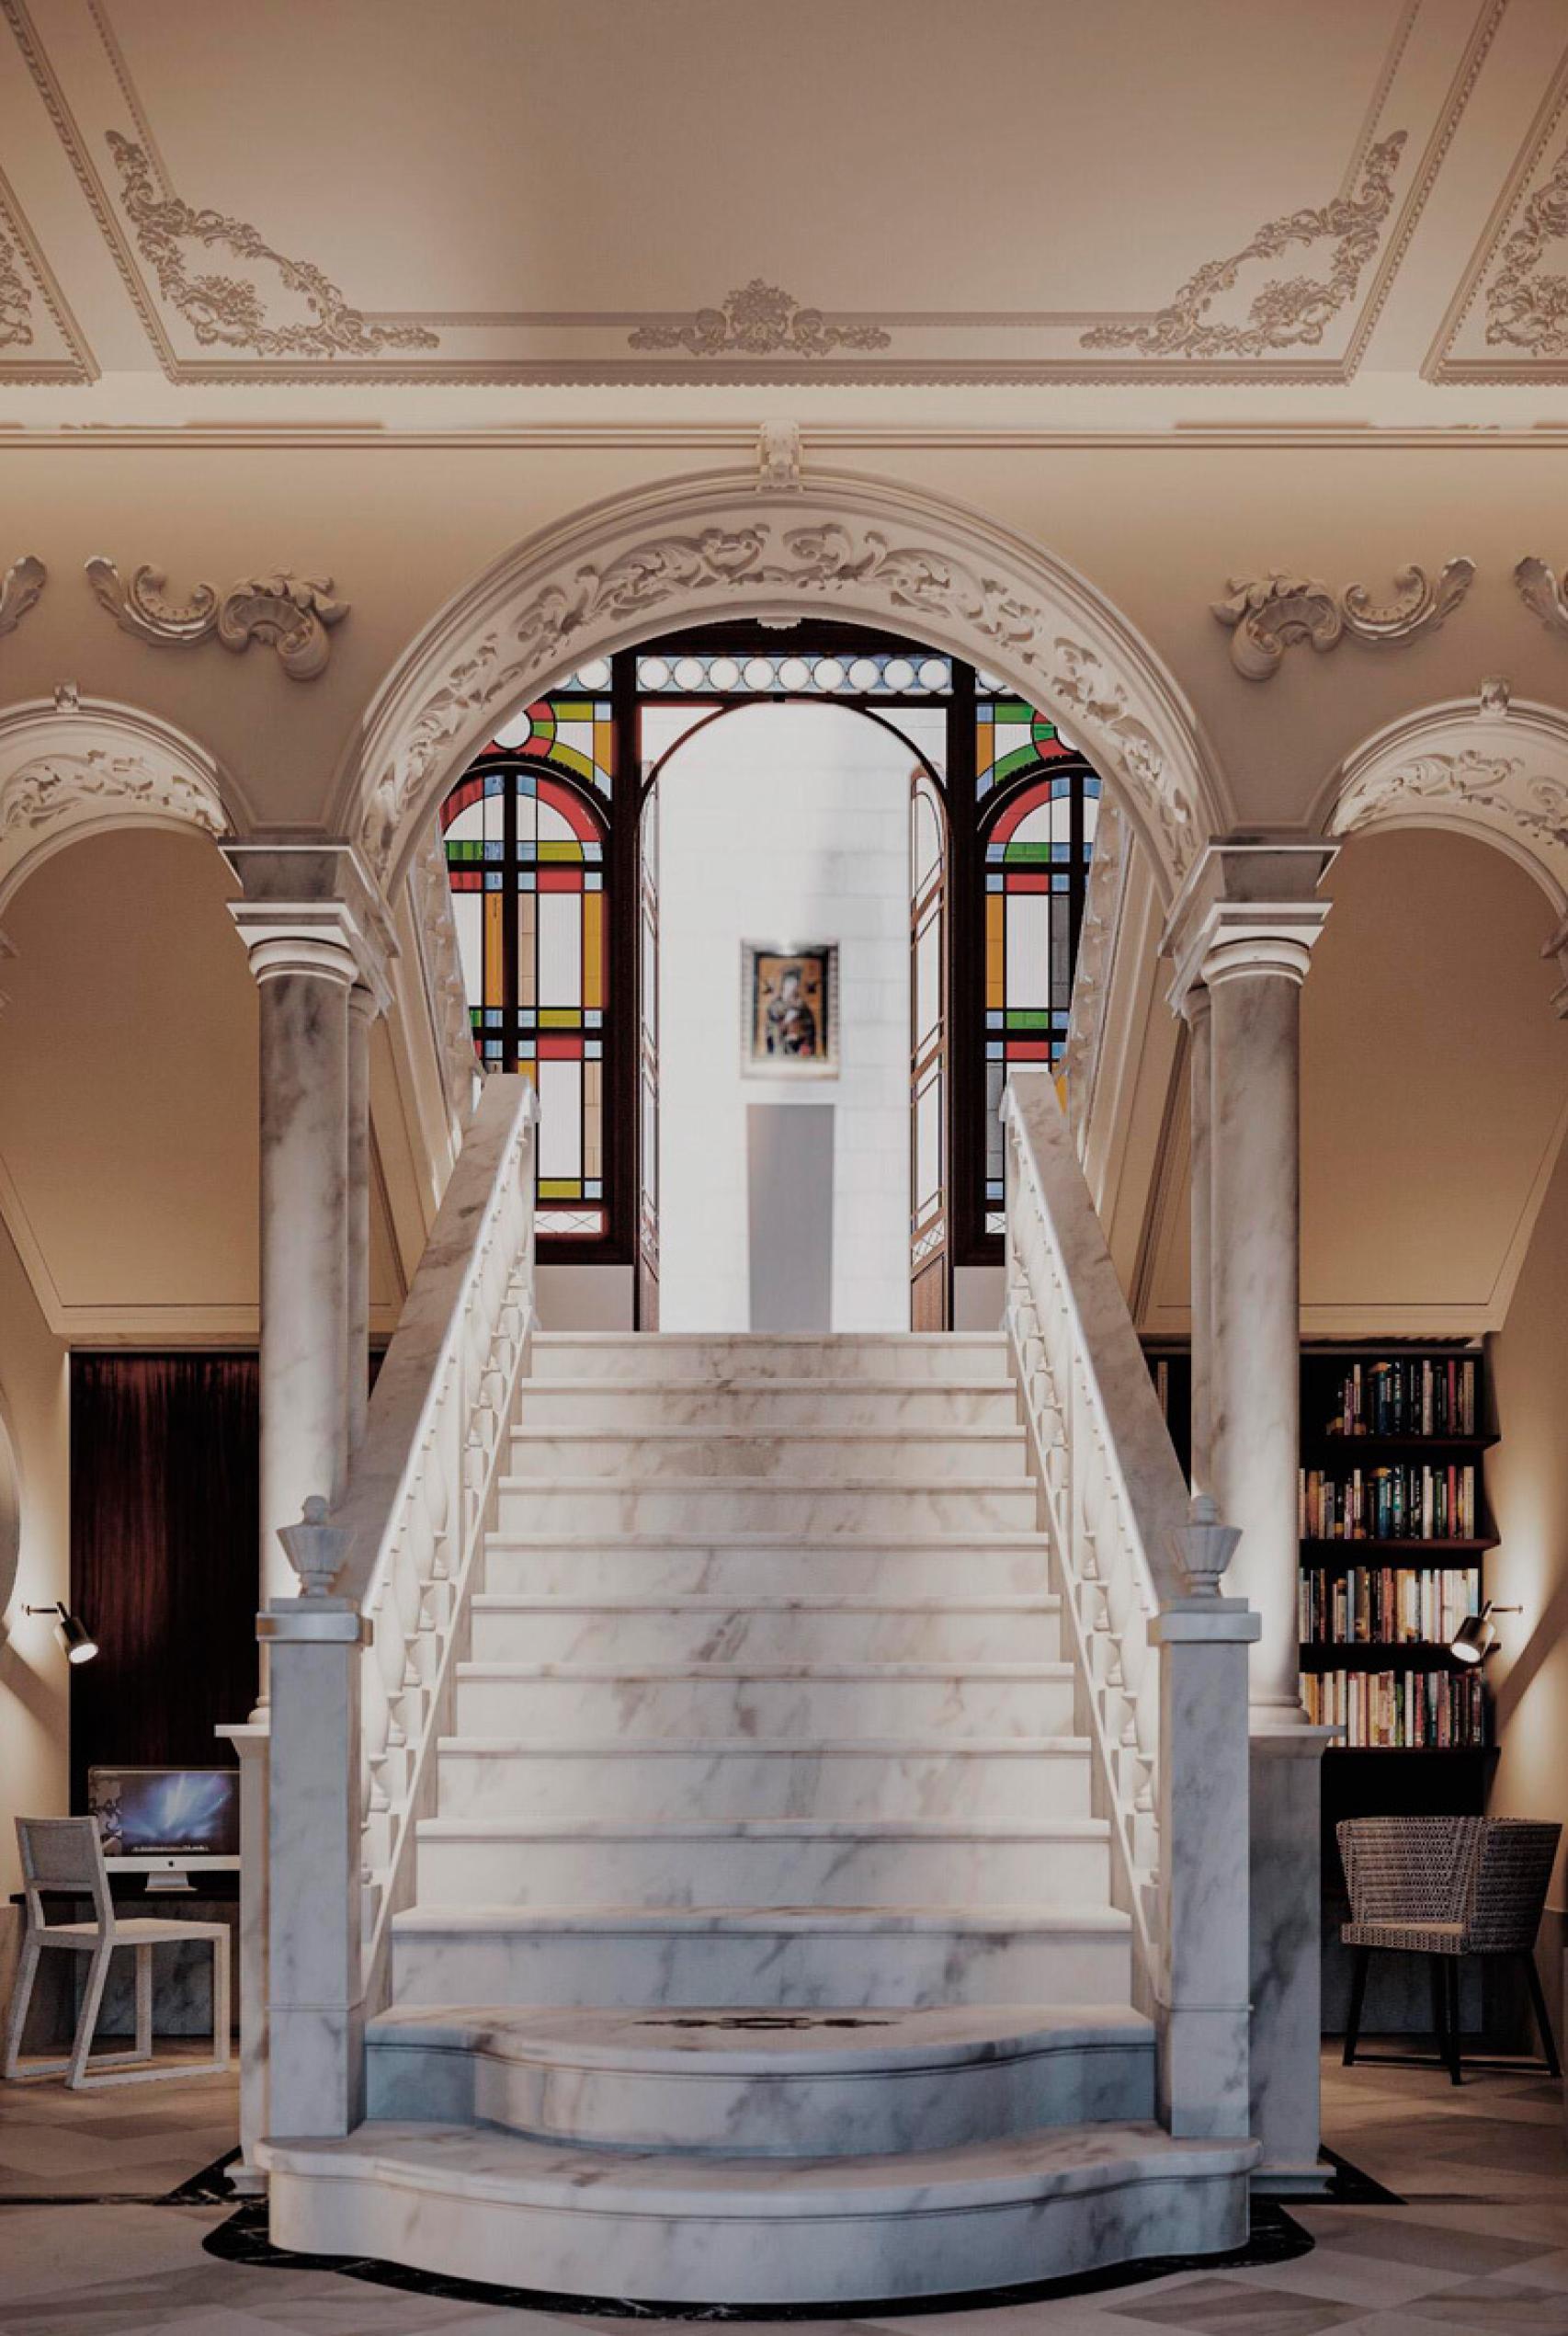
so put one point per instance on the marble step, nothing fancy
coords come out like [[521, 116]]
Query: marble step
[[805, 1863], [917, 1956], [886, 1508], [795, 1456], [635, 1631], [766, 1404], [677, 2227], [749, 1565], [948, 1358], [1022, 1776], [889, 1698], [756, 2080]]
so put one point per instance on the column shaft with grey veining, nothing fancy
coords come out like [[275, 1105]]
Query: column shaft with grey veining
[[1196, 1006], [1255, 988], [361, 1014]]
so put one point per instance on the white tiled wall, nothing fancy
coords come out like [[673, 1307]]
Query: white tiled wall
[[783, 824]]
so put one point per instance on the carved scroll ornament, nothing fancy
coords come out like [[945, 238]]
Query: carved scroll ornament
[[759, 320], [1527, 306], [20, 588], [290, 613], [1541, 593], [1268, 615]]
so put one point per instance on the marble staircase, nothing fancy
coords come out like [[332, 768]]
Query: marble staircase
[[762, 1948]]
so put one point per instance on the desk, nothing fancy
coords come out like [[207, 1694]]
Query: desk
[[182, 1976]]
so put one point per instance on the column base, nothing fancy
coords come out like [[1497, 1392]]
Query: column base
[[1287, 1953]]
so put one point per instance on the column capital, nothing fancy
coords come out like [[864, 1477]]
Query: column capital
[[1249, 906], [311, 908]]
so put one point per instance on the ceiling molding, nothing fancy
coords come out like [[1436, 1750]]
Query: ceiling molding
[[28, 284], [226, 327], [1522, 215]]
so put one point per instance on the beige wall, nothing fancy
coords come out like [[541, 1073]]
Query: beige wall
[[1526, 1479], [33, 1412]]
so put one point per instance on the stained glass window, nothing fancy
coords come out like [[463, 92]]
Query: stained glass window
[[526, 855], [1037, 845]]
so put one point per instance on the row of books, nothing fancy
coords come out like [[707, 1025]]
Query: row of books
[[1385, 1605], [1404, 1503], [1400, 1711], [1411, 1396]]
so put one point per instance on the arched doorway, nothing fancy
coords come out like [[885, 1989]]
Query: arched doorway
[[552, 841]]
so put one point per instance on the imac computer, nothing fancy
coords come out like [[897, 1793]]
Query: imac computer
[[165, 1822]]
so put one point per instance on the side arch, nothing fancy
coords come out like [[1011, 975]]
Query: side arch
[[717, 544], [71, 767], [1491, 769]]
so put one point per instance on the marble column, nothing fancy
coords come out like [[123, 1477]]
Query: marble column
[[363, 1006], [1195, 1009], [1245, 928]]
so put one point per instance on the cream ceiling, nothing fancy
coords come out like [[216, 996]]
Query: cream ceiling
[[1354, 211]]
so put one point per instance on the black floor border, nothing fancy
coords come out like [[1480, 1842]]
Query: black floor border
[[1275, 2238]]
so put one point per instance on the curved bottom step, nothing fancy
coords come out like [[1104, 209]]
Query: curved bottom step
[[761, 2080], [668, 2227]]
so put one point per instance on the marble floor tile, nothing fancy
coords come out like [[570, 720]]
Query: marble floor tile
[[1230, 2307], [1382, 2236]]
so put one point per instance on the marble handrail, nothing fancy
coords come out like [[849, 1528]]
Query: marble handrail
[[419, 1484], [1112, 1487]]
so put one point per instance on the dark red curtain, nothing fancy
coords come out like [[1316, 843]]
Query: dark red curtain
[[164, 1561]]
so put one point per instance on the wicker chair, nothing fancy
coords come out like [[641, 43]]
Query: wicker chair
[[1445, 1887]]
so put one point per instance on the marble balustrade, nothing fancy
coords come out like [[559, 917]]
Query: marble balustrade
[[1161, 1656], [362, 1663]]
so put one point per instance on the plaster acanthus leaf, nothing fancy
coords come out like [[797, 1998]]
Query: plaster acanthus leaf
[[1287, 312], [1541, 593], [432, 896], [830, 561], [1267, 614], [20, 588], [15, 301], [779, 458], [1524, 309], [229, 309], [759, 320], [50, 788], [291, 613], [1496, 696], [1418, 606]]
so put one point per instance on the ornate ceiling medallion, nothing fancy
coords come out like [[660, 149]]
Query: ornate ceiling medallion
[[1522, 308], [1269, 614], [759, 321], [290, 613], [1541, 593], [229, 309], [1289, 311], [20, 588]]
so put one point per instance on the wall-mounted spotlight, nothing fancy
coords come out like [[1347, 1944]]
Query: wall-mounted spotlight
[[76, 1640], [1477, 1634]]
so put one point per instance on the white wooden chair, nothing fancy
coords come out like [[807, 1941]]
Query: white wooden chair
[[64, 1854]]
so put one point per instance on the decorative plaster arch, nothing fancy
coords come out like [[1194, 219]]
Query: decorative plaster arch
[[1487, 768], [71, 767], [721, 544]]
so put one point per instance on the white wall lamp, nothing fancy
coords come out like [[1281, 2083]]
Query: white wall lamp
[[1476, 1636], [76, 1640]]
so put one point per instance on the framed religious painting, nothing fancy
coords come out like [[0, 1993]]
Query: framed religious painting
[[789, 1010]]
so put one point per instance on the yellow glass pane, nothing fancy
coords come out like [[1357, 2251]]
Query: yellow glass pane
[[494, 969], [592, 1119], [560, 850], [528, 1068], [528, 952], [996, 960], [560, 1188], [560, 1018]]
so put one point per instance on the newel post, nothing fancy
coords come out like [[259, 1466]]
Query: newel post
[[316, 2000], [1203, 1981]]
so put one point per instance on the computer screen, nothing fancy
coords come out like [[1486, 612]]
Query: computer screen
[[166, 1812]]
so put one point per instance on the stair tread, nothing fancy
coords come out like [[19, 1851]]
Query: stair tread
[[761, 2039], [1034, 1919], [481, 2162], [997, 1538], [768, 1382], [769, 1829], [700, 1431], [1022, 1481], [765, 1670], [861, 1747], [677, 1602]]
